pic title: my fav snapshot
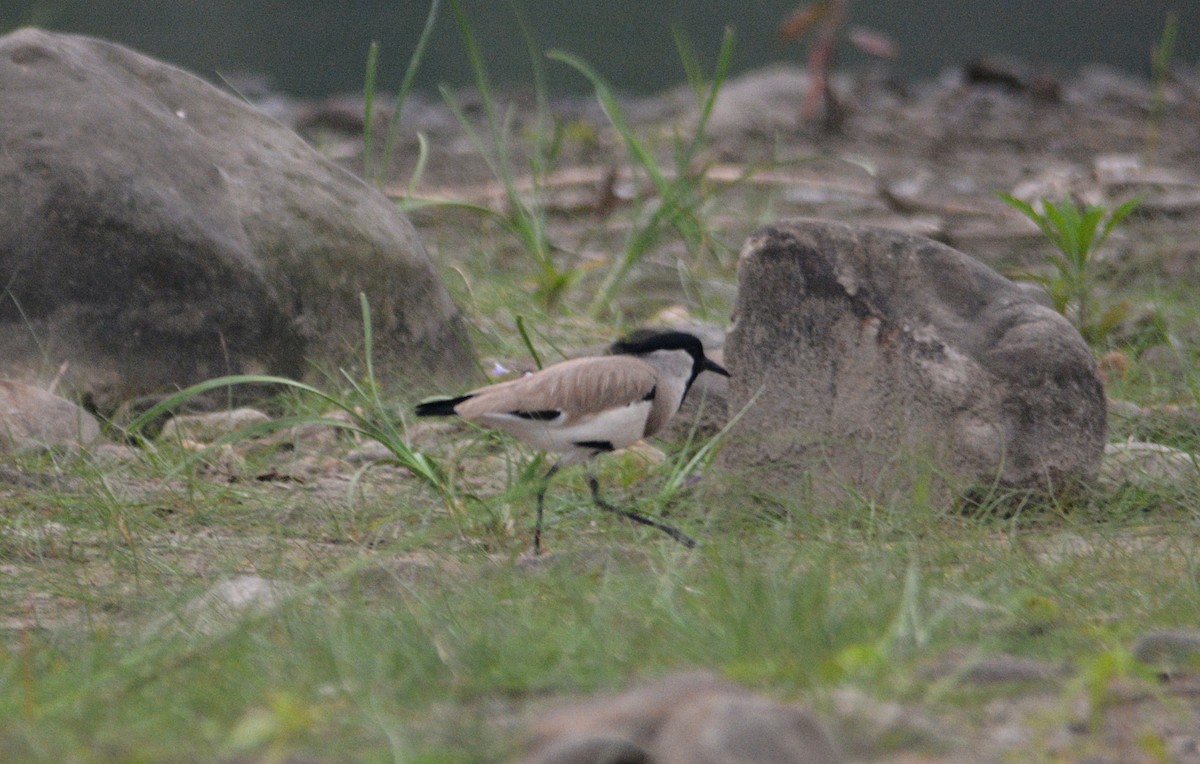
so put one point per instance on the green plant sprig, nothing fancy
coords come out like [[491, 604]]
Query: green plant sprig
[[1076, 232]]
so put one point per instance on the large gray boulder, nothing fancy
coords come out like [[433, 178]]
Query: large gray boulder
[[155, 231], [886, 364]]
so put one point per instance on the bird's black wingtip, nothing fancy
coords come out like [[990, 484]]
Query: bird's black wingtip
[[440, 407]]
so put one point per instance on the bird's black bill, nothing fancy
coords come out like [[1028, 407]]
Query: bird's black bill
[[711, 365]]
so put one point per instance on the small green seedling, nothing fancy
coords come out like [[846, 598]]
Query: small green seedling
[[1076, 232]]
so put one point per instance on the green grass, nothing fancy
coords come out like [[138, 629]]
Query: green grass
[[526, 218], [677, 204], [376, 167], [1077, 231], [420, 638]]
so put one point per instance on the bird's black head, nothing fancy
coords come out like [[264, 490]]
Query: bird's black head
[[646, 341]]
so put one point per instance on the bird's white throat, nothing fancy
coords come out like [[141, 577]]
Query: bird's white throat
[[675, 369]]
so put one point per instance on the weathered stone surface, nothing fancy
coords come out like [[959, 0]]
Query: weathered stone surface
[[595, 750], [874, 357], [221, 605], [762, 102], [973, 669], [155, 231], [1170, 650], [208, 427], [728, 729], [31, 417], [694, 718], [1147, 464]]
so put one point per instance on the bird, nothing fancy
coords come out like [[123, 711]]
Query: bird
[[582, 407]]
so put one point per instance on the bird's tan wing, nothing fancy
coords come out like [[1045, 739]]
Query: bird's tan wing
[[578, 388]]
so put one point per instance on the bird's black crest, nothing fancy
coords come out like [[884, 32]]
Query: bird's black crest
[[648, 340]]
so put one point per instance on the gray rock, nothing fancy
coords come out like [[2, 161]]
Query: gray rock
[[694, 718], [224, 603], [370, 452], [593, 750], [1147, 464], [973, 669], [32, 418], [875, 359], [762, 102], [1171, 650], [206, 428], [636, 714], [730, 729], [155, 231]]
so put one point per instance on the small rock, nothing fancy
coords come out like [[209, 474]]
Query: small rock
[[313, 436], [695, 718], [206, 428], [760, 103], [1054, 182], [871, 724], [729, 729], [115, 453], [1014, 75], [1125, 171], [1102, 84], [601, 749], [31, 418], [1165, 359], [1152, 423], [643, 453], [999, 668], [1119, 408], [1170, 651], [1146, 464], [1176, 203], [371, 451], [223, 603], [1112, 367]]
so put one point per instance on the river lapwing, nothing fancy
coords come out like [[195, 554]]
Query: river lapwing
[[583, 407]]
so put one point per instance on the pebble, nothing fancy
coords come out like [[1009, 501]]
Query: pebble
[[206, 428]]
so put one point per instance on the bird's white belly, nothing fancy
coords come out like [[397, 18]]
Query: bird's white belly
[[621, 427]]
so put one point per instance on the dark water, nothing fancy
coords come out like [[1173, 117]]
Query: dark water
[[320, 46]]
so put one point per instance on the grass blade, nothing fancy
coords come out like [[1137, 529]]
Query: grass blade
[[369, 110], [406, 84]]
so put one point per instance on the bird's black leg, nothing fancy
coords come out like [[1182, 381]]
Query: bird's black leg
[[541, 499], [637, 517]]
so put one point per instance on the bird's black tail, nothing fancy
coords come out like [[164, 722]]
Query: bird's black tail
[[441, 407]]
